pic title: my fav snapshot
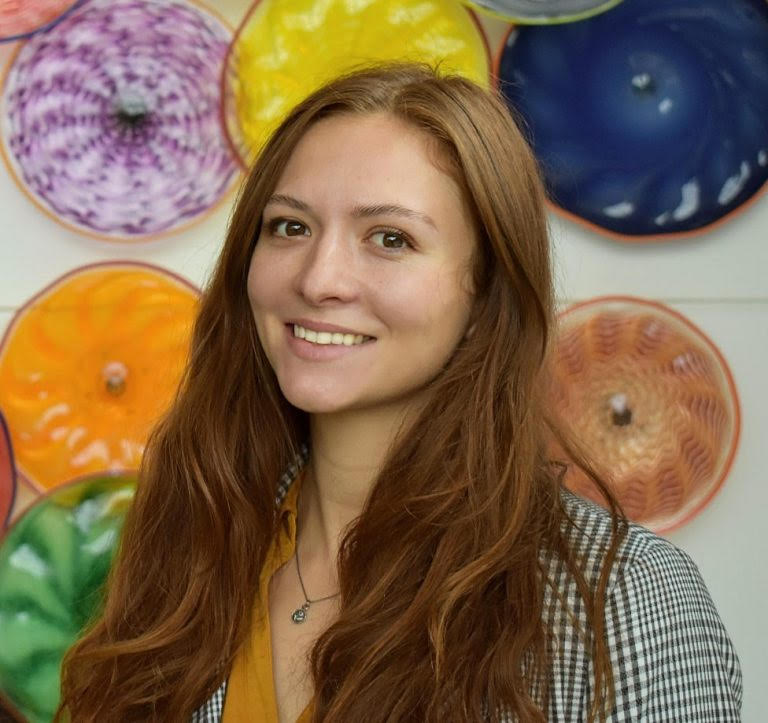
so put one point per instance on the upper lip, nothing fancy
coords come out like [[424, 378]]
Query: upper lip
[[320, 326]]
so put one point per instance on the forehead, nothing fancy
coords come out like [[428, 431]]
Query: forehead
[[374, 157]]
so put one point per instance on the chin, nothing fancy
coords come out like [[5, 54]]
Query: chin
[[314, 401]]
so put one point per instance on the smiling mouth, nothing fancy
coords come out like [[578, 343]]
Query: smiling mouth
[[324, 338]]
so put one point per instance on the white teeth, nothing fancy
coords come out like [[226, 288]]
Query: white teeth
[[327, 337]]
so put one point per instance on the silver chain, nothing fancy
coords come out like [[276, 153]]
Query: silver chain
[[300, 614]]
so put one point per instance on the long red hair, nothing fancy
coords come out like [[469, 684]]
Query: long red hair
[[443, 622]]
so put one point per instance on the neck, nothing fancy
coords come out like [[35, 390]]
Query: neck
[[347, 452]]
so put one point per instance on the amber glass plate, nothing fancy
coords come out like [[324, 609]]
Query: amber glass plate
[[652, 398]]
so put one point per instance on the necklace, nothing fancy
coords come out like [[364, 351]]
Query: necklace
[[300, 614]]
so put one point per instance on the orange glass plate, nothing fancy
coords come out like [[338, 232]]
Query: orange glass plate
[[652, 398], [89, 364]]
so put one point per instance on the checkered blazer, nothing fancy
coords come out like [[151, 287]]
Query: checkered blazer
[[672, 658]]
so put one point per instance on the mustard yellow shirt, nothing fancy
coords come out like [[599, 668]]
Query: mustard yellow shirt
[[251, 688]]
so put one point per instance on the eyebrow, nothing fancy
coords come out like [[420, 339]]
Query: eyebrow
[[379, 209]]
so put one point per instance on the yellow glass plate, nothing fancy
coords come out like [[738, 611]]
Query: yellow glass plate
[[285, 49]]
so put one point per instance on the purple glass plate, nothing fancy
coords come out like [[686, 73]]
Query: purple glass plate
[[111, 121]]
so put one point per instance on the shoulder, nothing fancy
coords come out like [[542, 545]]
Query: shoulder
[[669, 650], [589, 533], [644, 560]]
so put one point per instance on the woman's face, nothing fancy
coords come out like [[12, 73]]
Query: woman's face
[[360, 282]]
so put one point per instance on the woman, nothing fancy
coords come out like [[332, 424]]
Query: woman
[[351, 512]]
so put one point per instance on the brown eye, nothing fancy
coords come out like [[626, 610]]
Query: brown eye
[[394, 240], [289, 228]]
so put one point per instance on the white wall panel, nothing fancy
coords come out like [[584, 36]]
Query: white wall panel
[[729, 262]]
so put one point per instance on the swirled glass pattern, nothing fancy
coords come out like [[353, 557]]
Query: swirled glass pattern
[[653, 399], [111, 121], [650, 119], [88, 366]]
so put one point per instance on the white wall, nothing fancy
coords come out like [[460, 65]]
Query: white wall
[[716, 279]]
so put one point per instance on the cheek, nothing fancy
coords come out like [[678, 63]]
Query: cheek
[[435, 306], [264, 283], [263, 292], [254, 283]]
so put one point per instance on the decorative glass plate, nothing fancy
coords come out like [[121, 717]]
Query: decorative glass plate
[[89, 364], [54, 562], [653, 399], [22, 18], [540, 12], [285, 49], [111, 121], [650, 120], [7, 474]]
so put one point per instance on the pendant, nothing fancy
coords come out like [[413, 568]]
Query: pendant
[[300, 614]]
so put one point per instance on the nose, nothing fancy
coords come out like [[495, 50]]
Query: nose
[[327, 272]]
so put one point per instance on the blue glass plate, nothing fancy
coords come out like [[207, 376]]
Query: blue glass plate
[[650, 119]]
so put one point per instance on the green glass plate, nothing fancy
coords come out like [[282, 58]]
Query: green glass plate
[[54, 562]]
